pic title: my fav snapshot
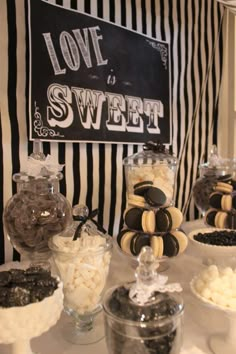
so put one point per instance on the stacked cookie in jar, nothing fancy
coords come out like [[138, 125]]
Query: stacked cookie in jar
[[150, 218]]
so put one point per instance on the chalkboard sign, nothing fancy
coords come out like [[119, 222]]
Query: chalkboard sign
[[94, 81]]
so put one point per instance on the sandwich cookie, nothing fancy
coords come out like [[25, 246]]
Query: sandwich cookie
[[215, 200], [120, 235], [142, 187], [181, 238], [210, 216], [148, 221], [233, 182], [171, 245], [138, 241], [163, 220], [125, 241], [176, 217], [157, 245], [224, 187], [232, 220], [155, 197], [221, 220], [225, 178], [133, 218], [136, 200], [226, 202], [234, 201]]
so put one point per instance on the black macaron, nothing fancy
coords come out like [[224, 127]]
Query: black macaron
[[142, 187], [171, 245], [138, 241], [133, 218], [155, 197], [163, 220], [120, 235], [210, 217], [234, 201], [215, 200], [232, 220], [225, 178]]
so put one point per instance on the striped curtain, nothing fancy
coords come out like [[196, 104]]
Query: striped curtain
[[93, 172]]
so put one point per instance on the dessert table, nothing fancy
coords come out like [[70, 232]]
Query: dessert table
[[199, 320]]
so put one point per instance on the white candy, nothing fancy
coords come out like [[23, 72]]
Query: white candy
[[83, 270], [218, 285]]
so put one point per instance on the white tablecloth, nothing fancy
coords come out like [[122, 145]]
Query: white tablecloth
[[199, 321]]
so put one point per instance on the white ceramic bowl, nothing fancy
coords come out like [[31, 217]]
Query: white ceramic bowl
[[26, 322], [212, 254]]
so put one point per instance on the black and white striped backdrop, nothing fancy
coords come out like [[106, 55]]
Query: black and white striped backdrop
[[94, 174]]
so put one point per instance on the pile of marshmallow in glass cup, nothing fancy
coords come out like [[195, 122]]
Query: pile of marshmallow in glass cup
[[150, 219]]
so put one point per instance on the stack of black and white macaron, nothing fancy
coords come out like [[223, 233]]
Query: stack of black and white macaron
[[222, 212], [149, 220]]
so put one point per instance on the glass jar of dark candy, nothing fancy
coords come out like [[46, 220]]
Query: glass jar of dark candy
[[155, 327], [35, 213]]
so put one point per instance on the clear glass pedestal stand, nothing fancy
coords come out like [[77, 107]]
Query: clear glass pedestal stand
[[84, 329]]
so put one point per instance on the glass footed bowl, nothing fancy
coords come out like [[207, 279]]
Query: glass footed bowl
[[219, 343], [83, 271], [19, 324]]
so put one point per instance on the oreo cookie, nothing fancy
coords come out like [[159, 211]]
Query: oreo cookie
[[138, 241], [215, 200], [225, 178], [234, 201], [163, 220], [210, 217], [133, 219], [155, 197], [142, 187], [171, 245], [120, 235]]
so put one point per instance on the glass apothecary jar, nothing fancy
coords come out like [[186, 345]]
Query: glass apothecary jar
[[151, 326], [37, 211], [155, 166], [216, 169]]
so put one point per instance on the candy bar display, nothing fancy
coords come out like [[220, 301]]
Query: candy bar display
[[31, 301], [215, 288], [82, 257], [216, 170], [37, 211], [144, 316], [150, 218]]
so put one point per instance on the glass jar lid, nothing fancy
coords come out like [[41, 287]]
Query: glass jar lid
[[83, 235], [153, 153]]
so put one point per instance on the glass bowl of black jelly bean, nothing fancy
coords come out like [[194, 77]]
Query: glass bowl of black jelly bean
[[155, 327]]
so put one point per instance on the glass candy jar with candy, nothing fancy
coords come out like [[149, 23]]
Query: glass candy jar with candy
[[82, 255], [215, 170], [150, 174], [144, 316], [38, 210]]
